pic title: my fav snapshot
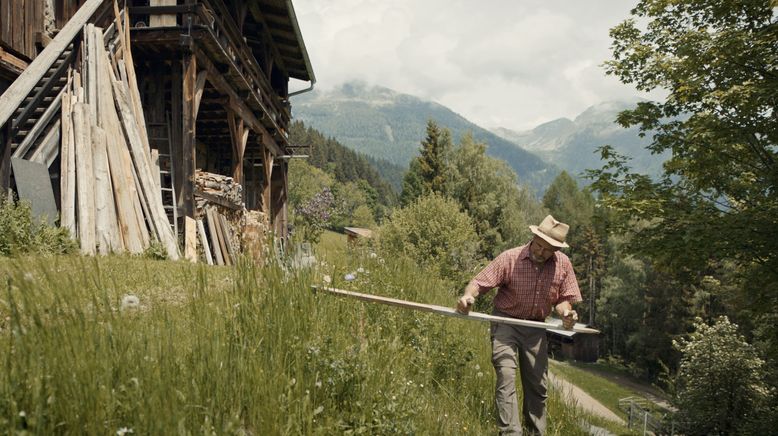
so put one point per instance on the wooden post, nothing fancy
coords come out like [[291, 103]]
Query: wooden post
[[188, 164], [267, 168], [68, 167], [239, 135]]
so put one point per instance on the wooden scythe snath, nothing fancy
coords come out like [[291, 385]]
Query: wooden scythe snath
[[448, 311]]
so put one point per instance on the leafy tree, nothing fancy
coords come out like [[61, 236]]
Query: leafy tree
[[305, 181], [429, 171], [721, 390], [568, 204], [433, 232], [488, 191], [717, 198]]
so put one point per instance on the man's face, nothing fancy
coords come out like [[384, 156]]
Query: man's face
[[540, 250]]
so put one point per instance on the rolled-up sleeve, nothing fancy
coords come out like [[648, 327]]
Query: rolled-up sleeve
[[493, 275], [569, 291]]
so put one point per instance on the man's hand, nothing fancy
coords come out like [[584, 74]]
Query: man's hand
[[464, 304], [569, 317]]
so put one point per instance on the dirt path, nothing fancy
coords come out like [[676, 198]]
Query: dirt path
[[582, 399], [650, 393]]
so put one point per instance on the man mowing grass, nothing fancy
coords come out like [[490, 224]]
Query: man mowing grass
[[530, 280]]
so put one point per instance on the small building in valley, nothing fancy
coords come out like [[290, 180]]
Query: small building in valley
[[567, 344]]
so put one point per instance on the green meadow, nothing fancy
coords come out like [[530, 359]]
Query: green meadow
[[241, 350]]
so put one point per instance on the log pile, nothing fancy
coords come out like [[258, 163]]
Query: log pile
[[110, 190], [224, 226]]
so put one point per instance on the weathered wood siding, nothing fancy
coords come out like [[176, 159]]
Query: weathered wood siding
[[23, 22]]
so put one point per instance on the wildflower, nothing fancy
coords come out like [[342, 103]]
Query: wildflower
[[349, 277], [360, 270], [22, 414], [479, 374], [130, 302], [123, 431], [318, 383], [477, 367], [373, 255], [327, 279], [318, 410], [28, 276]]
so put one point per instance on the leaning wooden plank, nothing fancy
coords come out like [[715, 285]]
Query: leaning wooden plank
[[157, 211], [39, 127], [48, 149], [448, 311], [223, 242], [214, 236], [90, 71], [131, 225], [84, 179], [204, 242], [132, 82], [228, 238], [155, 172], [190, 239], [68, 167], [13, 97], [108, 237]]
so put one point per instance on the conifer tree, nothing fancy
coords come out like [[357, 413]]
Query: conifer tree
[[428, 172]]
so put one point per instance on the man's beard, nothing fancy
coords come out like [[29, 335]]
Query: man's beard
[[536, 259]]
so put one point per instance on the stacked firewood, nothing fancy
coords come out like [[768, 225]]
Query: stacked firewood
[[110, 193], [225, 226]]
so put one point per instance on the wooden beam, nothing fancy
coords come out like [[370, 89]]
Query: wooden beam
[[236, 103], [189, 120], [447, 311], [13, 97]]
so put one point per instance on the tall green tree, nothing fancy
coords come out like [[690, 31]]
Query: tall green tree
[[718, 197], [428, 172], [487, 189]]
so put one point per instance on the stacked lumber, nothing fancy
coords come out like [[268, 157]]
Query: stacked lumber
[[110, 194]]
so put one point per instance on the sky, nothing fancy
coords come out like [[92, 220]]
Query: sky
[[498, 63]]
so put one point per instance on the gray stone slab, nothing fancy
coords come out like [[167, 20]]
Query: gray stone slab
[[33, 184]]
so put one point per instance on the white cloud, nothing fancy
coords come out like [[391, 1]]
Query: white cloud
[[502, 63]]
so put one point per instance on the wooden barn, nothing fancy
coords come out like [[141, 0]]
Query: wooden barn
[[183, 103], [566, 344]]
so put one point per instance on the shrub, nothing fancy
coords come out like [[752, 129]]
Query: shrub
[[433, 232], [20, 234], [721, 389]]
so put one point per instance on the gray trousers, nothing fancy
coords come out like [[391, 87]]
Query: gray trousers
[[524, 348]]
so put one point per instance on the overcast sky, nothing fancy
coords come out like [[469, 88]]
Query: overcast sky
[[499, 63]]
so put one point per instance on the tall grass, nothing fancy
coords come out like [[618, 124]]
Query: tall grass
[[246, 350]]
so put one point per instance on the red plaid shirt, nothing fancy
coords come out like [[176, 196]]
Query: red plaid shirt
[[527, 290]]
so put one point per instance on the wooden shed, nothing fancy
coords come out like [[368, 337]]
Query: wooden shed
[[210, 79], [356, 233], [566, 344]]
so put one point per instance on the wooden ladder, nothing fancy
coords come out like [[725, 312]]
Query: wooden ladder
[[160, 139]]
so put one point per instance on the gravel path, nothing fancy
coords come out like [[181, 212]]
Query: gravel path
[[582, 399]]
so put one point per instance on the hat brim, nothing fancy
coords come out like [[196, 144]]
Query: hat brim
[[549, 239]]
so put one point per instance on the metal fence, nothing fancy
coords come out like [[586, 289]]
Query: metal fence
[[640, 417]]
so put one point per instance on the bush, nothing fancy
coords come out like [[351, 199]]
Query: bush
[[721, 389], [20, 234], [433, 232]]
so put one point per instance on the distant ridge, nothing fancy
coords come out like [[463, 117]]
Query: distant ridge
[[571, 144], [387, 125]]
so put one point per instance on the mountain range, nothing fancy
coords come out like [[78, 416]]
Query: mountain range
[[572, 144], [389, 126]]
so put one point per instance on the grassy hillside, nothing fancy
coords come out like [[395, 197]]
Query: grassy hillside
[[235, 351]]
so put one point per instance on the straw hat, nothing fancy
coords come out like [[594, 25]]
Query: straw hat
[[552, 231]]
